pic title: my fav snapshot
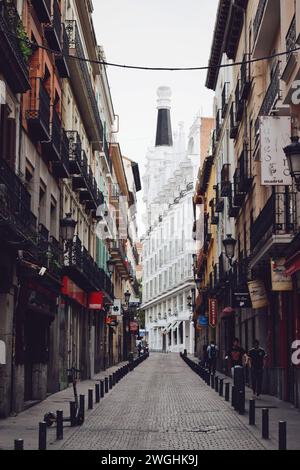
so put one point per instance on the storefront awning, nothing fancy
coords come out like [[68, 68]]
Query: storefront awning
[[227, 312], [293, 264]]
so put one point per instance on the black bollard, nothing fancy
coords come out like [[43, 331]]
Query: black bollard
[[90, 399], [82, 408], [73, 411], [106, 384], [282, 441], [241, 406], [59, 425], [265, 423], [212, 381], [227, 391], [221, 386], [101, 388], [217, 384], [97, 393], [110, 382], [114, 379], [233, 396], [19, 444], [42, 436], [252, 413]]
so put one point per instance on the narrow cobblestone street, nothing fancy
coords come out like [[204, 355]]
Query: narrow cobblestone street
[[162, 405]]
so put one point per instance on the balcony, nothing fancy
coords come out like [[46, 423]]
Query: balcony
[[13, 62], [61, 60], [42, 9], [51, 149], [80, 266], [214, 216], [115, 194], [218, 124], [239, 103], [17, 223], [50, 253], [234, 127], [118, 253], [225, 99], [235, 27], [272, 100], [85, 183], [61, 168], [219, 202], [38, 115], [234, 209], [225, 180], [265, 27], [83, 88], [274, 228], [240, 275], [53, 30], [207, 233], [75, 151], [240, 192], [245, 83], [107, 155]]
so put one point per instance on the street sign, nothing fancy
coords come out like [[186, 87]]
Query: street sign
[[213, 313], [134, 327], [242, 300], [203, 321]]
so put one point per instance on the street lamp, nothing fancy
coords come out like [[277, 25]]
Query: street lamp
[[198, 283], [111, 266], [68, 226], [292, 153], [229, 245]]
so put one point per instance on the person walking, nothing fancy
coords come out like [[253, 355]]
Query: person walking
[[236, 356], [212, 354], [256, 360]]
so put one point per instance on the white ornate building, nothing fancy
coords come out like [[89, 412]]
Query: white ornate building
[[168, 246]]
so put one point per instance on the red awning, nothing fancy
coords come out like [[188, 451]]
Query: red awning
[[227, 312], [293, 264]]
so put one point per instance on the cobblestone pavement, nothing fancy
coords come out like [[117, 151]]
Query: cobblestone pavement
[[162, 405]]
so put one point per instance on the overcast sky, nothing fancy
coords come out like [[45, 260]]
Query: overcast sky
[[171, 33]]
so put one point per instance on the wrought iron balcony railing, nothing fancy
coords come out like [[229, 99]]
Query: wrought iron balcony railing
[[234, 127], [16, 219], [61, 60], [42, 9], [291, 37], [38, 114], [13, 62], [219, 203], [218, 124], [245, 83], [273, 93], [75, 43], [225, 180], [61, 168], [278, 217], [239, 103], [258, 18], [225, 99], [53, 30], [52, 148], [75, 151]]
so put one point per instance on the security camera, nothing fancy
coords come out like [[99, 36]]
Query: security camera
[[42, 272]]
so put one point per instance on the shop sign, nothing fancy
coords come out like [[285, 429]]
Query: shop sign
[[242, 300], [213, 313], [96, 301], [281, 280], [258, 294], [71, 290], [275, 135], [203, 321], [111, 320]]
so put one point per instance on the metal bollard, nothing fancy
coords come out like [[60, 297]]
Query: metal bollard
[[19, 444], [102, 389], [42, 436], [73, 413], [106, 384], [241, 403], [282, 435], [114, 379], [59, 425], [212, 381], [221, 387], [265, 423], [97, 393], [110, 382], [217, 384], [227, 391], [233, 396], [252, 413], [90, 399], [82, 407]]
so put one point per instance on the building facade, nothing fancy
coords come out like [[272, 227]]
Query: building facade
[[59, 156], [256, 199]]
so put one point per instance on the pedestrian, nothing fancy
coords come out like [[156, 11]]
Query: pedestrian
[[204, 356], [212, 354], [236, 355], [256, 360]]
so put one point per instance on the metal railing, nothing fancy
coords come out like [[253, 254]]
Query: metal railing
[[39, 107], [278, 217], [225, 180], [75, 150], [258, 18], [56, 130], [224, 99], [75, 43], [291, 37], [272, 94]]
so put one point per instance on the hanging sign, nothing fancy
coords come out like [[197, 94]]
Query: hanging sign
[[203, 321], [242, 300], [275, 135], [213, 313], [258, 294], [281, 281], [134, 327], [96, 301]]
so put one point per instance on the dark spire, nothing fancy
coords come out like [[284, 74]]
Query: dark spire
[[164, 128]]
